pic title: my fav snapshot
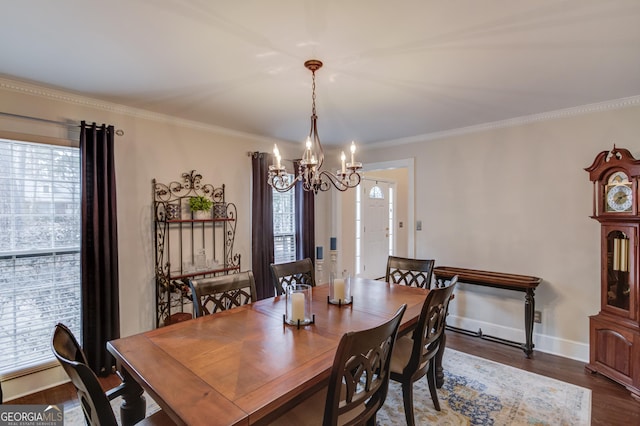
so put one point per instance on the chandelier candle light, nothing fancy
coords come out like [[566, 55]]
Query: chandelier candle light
[[309, 170]]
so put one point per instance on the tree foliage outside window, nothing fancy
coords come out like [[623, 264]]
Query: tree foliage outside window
[[39, 250]]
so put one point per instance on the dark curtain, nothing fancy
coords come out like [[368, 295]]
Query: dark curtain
[[305, 221], [262, 225], [99, 246]]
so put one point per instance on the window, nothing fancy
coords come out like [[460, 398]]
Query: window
[[284, 225], [39, 250], [376, 193]]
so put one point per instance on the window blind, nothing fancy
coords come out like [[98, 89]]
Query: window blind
[[39, 250], [284, 226]]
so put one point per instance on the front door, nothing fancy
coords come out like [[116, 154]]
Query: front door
[[375, 228]]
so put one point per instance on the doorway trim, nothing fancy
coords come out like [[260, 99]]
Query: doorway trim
[[409, 164]]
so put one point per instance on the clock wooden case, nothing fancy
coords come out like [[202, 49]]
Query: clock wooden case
[[614, 333]]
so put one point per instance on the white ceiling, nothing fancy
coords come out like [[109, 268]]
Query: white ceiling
[[393, 69]]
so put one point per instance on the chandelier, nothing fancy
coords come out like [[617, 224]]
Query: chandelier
[[310, 171]]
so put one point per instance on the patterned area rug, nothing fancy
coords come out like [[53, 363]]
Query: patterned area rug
[[481, 392], [75, 417], [476, 392]]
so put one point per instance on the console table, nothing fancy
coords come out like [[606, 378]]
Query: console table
[[514, 282]]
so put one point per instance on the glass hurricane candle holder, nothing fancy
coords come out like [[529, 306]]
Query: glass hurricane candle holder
[[340, 289], [298, 305]]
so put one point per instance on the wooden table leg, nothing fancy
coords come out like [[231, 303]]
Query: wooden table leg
[[134, 406], [529, 308]]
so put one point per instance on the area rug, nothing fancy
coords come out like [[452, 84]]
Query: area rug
[[75, 417], [477, 391]]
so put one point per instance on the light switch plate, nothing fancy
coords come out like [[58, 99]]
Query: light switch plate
[[419, 225]]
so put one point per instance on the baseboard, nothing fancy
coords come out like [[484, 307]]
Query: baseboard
[[549, 344], [34, 382]]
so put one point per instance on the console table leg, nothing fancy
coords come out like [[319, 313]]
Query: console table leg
[[134, 407], [529, 308]]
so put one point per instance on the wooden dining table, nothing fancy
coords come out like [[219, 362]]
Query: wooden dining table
[[245, 366]]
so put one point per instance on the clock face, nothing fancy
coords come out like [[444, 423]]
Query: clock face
[[619, 198]]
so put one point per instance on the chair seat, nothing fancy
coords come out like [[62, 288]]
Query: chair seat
[[401, 354], [310, 412]]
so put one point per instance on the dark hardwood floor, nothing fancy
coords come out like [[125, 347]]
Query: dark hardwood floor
[[611, 403]]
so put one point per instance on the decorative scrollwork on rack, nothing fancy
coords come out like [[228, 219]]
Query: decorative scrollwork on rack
[[190, 186], [232, 260]]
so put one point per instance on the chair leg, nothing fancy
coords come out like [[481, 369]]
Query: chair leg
[[407, 397], [431, 379], [372, 421]]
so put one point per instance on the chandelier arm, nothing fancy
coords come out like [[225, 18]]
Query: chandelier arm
[[350, 180], [280, 183]]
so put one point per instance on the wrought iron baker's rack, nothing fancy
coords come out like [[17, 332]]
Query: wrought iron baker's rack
[[179, 234]]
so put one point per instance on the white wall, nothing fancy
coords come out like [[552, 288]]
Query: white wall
[[517, 200]]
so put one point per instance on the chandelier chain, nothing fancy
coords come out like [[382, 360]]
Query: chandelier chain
[[313, 92]]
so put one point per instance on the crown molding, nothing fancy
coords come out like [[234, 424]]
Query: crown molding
[[59, 95], [62, 96], [632, 101]]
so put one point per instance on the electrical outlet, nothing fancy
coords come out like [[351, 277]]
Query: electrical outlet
[[537, 316], [419, 225]]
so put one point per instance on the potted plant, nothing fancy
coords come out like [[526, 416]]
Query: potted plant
[[200, 206]]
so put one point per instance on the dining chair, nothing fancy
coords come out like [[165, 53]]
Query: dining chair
[[297, 272], [411, 272], [93, 400], [414, 355], [215, 294], [358, 383]]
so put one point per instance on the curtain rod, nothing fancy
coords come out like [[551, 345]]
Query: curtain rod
[[118, 132]]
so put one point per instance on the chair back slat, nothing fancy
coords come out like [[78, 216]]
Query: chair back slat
[[298, 272], [215, 294], [431, 324], [411, 272], [359, 379]]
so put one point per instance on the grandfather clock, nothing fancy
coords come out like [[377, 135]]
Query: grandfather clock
[[614, 333]]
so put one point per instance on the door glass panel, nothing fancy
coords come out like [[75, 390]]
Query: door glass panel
[[618, 290]]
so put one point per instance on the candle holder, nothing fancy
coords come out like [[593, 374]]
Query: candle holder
[[298, 305], [340, 289]]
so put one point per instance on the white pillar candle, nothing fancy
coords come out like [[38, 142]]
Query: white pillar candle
[[338, 289], [297, 307]]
